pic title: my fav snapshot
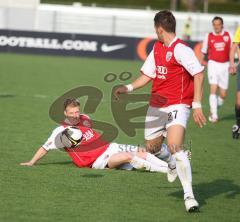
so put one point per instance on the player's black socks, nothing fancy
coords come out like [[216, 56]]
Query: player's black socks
[[237, 114]]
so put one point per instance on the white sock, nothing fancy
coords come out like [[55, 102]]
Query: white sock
[[139, 163], [213, 105], [220, 101], [165, 155], [184, 173], [157, 163]]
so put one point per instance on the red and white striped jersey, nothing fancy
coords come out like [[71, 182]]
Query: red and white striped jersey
[[172, 69], [217, 46], [90, 148]]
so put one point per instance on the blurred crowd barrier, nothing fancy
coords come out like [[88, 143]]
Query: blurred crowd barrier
[[30, 15]]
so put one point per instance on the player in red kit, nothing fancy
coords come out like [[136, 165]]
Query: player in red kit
[[93, 152], [217, 45], [177, 85]]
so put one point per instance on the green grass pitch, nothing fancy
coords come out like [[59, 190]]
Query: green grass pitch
[[56, 190]]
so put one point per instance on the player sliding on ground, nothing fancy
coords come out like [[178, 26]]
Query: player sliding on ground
[[177, 76], [89, 150]]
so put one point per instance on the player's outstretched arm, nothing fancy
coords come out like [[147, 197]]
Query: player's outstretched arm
[[37, 156], [198, 115], [138, 83]]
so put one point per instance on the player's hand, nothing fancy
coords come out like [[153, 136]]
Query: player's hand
[[27, 164], [232, 69], [120, 90], [199, 117]]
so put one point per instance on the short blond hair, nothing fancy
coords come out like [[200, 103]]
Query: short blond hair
[[72, 102]]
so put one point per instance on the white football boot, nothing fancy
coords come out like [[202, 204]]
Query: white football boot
[[213, 118], [172, 175], [235, 131], [191, 205]]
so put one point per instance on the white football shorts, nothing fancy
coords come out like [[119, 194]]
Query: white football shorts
[[159, 119], [114, 148], [218, 74]]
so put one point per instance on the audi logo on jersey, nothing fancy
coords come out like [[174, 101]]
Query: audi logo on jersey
[[162, 70]]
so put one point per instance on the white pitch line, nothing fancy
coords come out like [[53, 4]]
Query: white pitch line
[[40, 96]]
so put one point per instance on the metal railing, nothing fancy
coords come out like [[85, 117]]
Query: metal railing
[[103, 21]]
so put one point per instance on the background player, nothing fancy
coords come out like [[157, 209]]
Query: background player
[[177, 76], [93, 151], [233, 70], [217, 45]]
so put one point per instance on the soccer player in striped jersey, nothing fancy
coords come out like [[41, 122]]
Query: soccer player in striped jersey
[[94, 152], [217, 45], [177, 85]]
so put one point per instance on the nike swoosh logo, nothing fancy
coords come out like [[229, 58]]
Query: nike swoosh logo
[[110, 48]]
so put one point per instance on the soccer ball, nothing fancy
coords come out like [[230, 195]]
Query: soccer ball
[[71, 137]]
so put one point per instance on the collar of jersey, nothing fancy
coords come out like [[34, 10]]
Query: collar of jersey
[[221, 33], [174, 40]]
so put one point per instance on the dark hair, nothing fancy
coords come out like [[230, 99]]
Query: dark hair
[[71, 102], [166, 20], [217, 18]]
